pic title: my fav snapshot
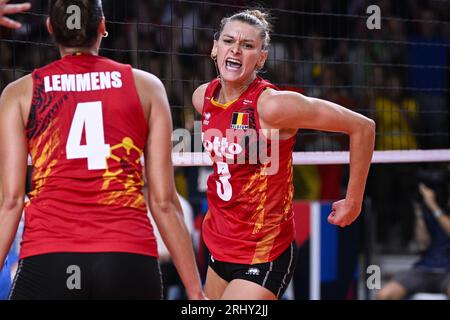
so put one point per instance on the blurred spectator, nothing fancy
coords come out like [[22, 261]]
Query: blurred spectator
[[392, 184], [308, 72], [6, 9], [427, 58], [396, 117], [432, 272]]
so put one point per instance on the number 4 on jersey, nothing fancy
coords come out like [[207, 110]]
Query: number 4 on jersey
[[90, 117]]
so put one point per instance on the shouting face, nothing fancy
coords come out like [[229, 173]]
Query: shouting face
[[239, 52]]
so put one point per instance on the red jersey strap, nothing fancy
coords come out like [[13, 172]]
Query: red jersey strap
[[209, 94], [259, 90]]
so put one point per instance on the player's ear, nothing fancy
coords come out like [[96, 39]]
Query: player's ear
[[49, 26], [102, 28], [262, 59], [214, 50]]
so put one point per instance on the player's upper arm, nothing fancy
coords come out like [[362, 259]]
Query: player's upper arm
[[292, 110], [143, 82], [198, 97], [13, 146], [158, 151]]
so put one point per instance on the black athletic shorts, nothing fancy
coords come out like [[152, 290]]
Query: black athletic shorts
[[423, 280], [83, 276], [274, 276]]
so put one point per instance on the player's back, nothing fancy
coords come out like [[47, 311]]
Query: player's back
[[86, 133]]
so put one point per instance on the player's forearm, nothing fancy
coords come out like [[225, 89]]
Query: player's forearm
[[362, 143], [176, 237], [9, 220]]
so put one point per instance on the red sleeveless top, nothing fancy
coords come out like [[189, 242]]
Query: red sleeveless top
[[86, 133], [250, 191]]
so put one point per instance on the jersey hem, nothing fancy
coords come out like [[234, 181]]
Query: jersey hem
[[88, 248]]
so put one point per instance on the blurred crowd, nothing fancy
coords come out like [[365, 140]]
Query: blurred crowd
[[397, 75]]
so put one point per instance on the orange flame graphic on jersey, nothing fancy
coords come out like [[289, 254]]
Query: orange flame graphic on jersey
[[132, 181]]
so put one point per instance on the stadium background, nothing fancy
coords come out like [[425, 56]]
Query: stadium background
[[397, 75]]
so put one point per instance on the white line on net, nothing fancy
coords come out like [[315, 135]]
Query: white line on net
[[326, 157]]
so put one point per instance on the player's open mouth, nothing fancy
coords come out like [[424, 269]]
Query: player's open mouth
[[233, 64]]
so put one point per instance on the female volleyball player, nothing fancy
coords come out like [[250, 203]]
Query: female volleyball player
[[11, 9], [249, 228], [86, 121]]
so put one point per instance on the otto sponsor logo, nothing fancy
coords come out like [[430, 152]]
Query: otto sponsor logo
[[233, 147], [221, 147]]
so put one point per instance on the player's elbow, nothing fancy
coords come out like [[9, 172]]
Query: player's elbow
[[365, 127], [370, 124], [11, 203], [162, 206], [369, 127]]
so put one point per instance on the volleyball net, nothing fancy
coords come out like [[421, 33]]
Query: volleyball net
[[396, 75]]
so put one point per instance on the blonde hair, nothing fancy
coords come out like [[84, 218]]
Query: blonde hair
[[253, 17]]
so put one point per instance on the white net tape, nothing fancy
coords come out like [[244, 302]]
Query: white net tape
[[328, 157]]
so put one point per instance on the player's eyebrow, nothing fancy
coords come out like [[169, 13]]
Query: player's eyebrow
[[232, 37]]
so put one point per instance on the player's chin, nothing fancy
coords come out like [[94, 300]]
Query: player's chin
[[234, 76], [230, 77]]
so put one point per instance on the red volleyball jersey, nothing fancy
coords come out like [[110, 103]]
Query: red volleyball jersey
[[250, 218], [86, 133]]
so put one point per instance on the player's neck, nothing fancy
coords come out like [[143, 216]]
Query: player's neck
[[232, 90], [77, 51]]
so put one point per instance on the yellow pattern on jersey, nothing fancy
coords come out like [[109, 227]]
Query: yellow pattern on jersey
[[131, 195]]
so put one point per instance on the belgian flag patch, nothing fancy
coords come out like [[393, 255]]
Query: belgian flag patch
[[240, 120]]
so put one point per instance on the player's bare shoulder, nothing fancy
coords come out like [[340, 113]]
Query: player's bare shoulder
[[19, 94], [149, 88], [198, 97], [268, 103], [145, 80], [20, 87]]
